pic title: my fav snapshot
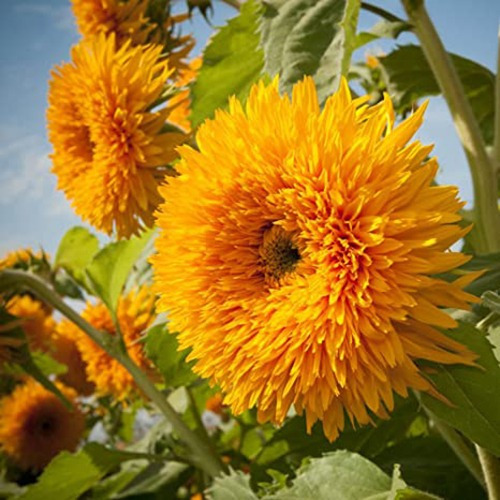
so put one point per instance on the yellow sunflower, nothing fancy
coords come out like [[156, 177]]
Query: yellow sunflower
[[110, 153], [20, 256], [65, 351], [35, 425], [135, 314], [298, 256], [129, 21], [36, 320]]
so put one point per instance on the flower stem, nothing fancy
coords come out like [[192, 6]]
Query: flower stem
[[487, 217], [202, 449]]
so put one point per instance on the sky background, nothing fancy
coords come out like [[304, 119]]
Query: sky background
[[36, 35]]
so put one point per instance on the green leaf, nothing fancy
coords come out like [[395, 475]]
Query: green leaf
[[232, 62], [307, 37], [162, 350], [47, 364], [110, 267], [474, 393], [383, 29], [409, 77], [75, 252], [234, 486], [69, 475]]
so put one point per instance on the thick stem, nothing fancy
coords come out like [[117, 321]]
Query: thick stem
[[202, 450], [487, 217], [491, 469]]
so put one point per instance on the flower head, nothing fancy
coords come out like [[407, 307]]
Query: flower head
[[132, 21], [21, 257], [110, 153], [135, 314], [36, 320], [298, 256], [35, 425], [65, 350]]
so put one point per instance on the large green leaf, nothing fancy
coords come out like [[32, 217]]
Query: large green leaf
[[340, 475], [474, 393], [410, 77], [75, 251], [110, 267], [232, 62], [307, 37], [69, 475], [162, 350]]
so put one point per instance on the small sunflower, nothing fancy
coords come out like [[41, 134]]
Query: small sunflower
[[35, 425], [136, 22], [299, 253], [110, 153], [65, 351], [135, 314], [19, 258], [36, 320]]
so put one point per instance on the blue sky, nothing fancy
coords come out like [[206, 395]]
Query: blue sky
[[36, 35]]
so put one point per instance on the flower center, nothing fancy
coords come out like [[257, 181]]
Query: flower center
[[278, 253]]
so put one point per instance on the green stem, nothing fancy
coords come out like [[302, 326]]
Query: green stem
[[202, 449], [487, 217], [491, 469]]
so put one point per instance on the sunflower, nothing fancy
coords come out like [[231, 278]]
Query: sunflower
[[298, 256], [180, 104], [35, 425], [110, 153], [19, 258], [65, 351], [36, 320], [133, 21], [135, 314]]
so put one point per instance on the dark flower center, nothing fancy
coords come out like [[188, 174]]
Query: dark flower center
[[278, 253]]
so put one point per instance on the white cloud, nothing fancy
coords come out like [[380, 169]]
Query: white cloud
[[25, 169], [61, 16]]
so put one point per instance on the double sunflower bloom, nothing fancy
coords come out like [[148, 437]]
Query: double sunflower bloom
[[299, 248]]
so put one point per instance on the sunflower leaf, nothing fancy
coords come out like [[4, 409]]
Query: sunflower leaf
[[69, 475], [474, 392], [162, 349], [307, 37], [75, 252], [232, 62], [409, 77], [110, 267]]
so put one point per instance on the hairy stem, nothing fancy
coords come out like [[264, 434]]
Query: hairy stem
[[202, 449], [487, 217]]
